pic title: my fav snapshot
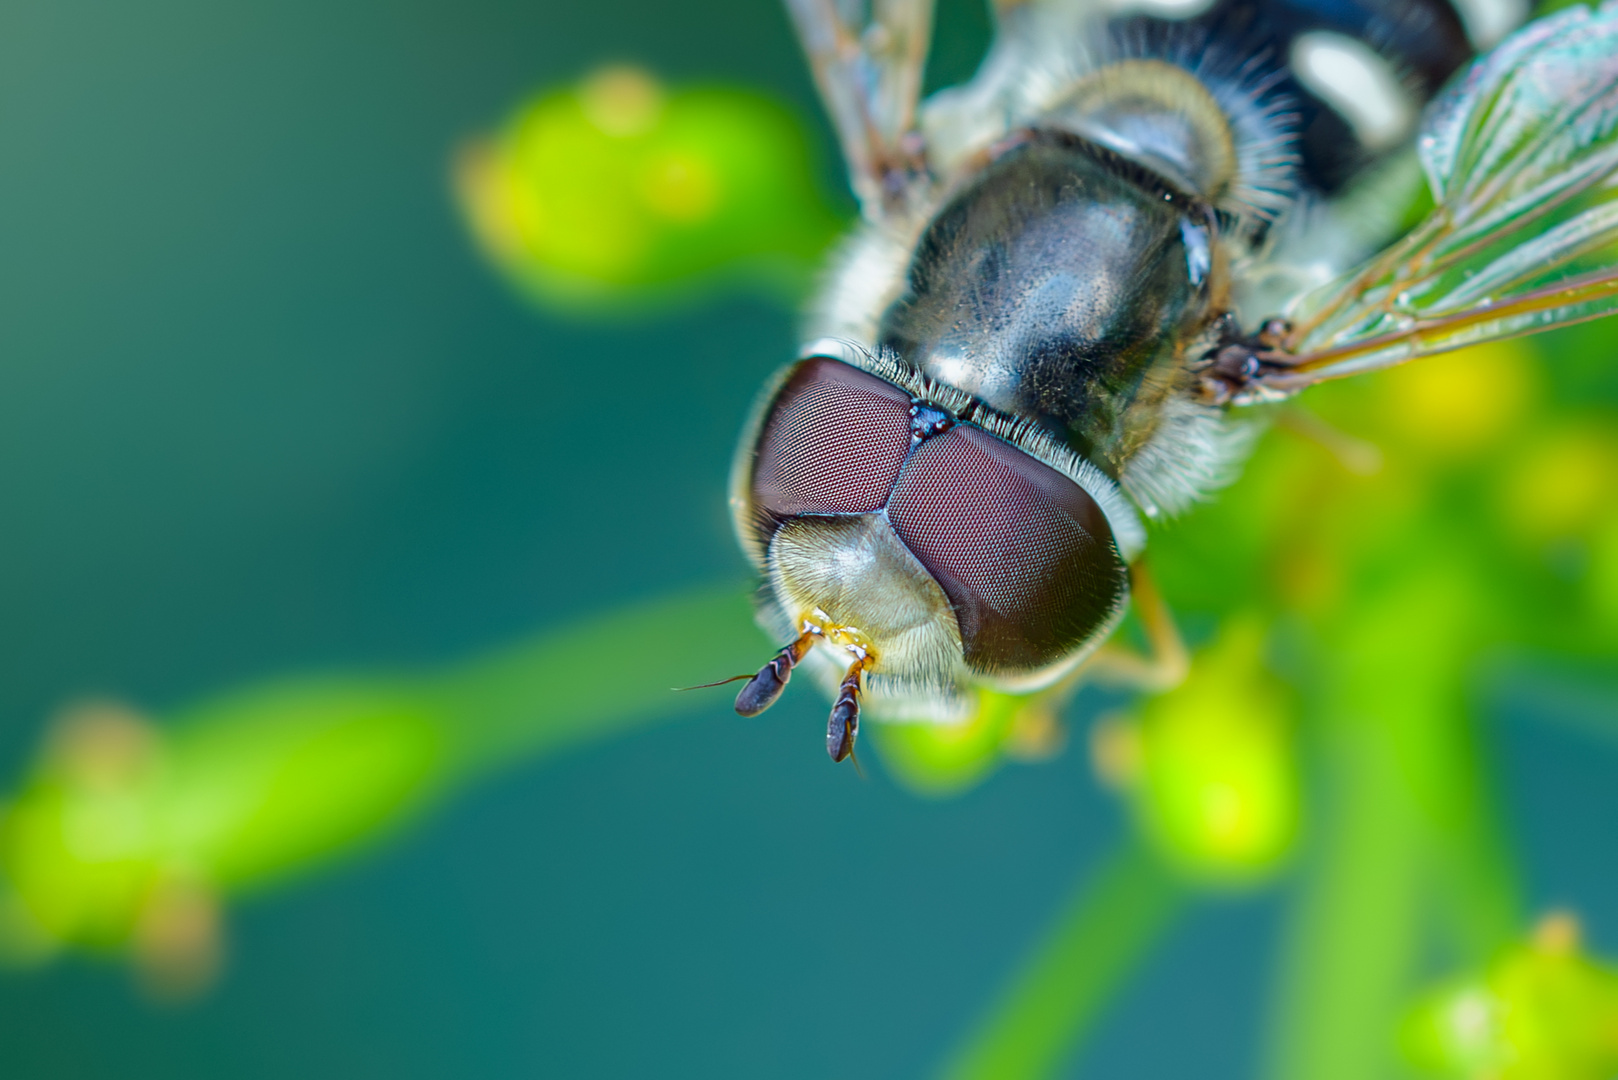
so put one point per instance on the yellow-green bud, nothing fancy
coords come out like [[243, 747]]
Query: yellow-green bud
[[1211, 765], [1542, 1011], [620, 188]]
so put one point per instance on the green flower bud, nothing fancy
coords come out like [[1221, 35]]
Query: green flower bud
[[619, 189], [126, 833], [1541, 1011], [127, 837], [1211, 766], [944, 759]]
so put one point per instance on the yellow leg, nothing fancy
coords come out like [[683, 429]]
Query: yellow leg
[[1119, 665], [1037, 731], [1355, 455]]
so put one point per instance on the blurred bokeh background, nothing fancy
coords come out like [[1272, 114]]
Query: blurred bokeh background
[[268, 410]]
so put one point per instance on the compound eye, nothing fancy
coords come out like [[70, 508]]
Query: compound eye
[[833, 443], [1024, 554]]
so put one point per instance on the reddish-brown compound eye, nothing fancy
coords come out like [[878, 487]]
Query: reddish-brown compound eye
[[1024, 554], [833, 443]]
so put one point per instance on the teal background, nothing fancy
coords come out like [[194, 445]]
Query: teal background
[[262, 408]]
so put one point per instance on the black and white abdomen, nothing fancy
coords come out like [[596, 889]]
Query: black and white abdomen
[[1355, 73]]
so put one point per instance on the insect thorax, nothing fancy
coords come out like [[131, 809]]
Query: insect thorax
[[1061, 283]]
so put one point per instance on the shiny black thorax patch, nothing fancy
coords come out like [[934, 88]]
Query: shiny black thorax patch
[[1054, 286]]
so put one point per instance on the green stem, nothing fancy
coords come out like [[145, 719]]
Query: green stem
[[1354, 925], [1408, 832], [260, 785], [605, 675], [1108, 927]]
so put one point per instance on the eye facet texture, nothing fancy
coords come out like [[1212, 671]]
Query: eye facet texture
[[1023, 553], [833, 444]]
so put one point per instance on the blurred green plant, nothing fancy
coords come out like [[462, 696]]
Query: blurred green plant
[[1111, 921], [129, 834], [1540, 1011], [1211, 766], [943, 760], [1385, 548], [622, 192]]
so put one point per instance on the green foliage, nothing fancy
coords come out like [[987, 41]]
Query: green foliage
[[1378, 551], [946, 759], [1111, 921], [620, 192], [266, 783], [1539, 1011], [1217, 785]]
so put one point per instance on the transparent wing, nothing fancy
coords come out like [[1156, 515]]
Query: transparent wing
[[867, 57], [1521, 155], [1050, 38]]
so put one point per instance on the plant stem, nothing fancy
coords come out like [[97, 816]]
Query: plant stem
[[1408, 832], [1109, 925]]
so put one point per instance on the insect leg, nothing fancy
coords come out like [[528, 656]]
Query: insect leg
[[1232, 372], [763, 689], [1169, 661], [1355, 455]]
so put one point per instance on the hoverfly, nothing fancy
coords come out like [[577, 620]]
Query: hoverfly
[[1077, 269]]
